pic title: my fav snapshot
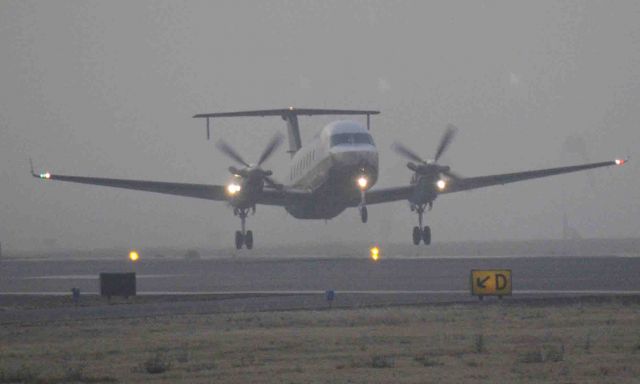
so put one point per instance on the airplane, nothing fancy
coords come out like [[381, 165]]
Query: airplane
[[336, 170]]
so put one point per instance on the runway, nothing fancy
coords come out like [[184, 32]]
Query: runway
[[180, 286]]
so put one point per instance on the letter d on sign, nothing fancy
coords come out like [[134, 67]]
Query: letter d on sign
[[501, 281]]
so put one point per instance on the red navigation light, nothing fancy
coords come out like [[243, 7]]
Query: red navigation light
[[620, 161]]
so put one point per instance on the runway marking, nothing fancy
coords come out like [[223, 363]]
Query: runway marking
[[308, 292], [576, 292], [59, 277], [91, 277], [353, 292], [475, 257]]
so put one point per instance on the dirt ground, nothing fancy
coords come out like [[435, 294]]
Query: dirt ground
[[570, 342]]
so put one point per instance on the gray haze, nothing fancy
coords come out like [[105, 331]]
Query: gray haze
[[109, 88]]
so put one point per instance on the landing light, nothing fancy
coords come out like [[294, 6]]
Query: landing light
[[375, 253], [620, 161], [362, 182], [441, 184], [233, 188], [134, 256]]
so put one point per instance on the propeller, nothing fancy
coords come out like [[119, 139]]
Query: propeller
[[275, 142], [253, 171], [425, 167], [449, 133], [231, 153]]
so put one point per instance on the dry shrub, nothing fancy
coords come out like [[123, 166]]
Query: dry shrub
[[427, 362], [379, 361], [554, 353], [532, 357], [156, 364], [478, 344], [548, 353]]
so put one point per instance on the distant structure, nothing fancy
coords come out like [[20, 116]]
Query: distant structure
[[192, 254], [569, 233]]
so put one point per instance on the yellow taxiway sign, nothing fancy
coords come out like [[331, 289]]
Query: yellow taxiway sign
[[491, 282]]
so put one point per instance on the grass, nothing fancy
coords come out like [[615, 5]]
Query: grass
[[20, 374], [69, 374], [588, 343]]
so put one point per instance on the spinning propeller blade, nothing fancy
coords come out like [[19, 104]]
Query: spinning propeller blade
[[424, 167], [275, 142], [400, 149], [445, 141], [230, 152]]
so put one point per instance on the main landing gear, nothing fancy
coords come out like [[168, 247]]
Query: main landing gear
[[243, 237], [420, 232]]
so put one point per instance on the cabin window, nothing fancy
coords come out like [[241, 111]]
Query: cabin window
[[351, 139]]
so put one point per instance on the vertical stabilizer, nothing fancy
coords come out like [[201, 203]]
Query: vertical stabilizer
[[293, 132]]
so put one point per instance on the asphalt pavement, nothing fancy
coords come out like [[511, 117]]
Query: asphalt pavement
[[263, 284]]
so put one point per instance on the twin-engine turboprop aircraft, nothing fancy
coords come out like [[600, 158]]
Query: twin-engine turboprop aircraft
[[334, 171]]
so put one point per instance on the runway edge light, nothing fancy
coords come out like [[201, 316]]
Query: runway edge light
[[134, 256], [374, 252]]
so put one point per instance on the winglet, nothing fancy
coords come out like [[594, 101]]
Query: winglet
[[45, 175]]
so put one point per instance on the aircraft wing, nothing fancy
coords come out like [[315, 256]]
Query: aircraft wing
[[201, 191], [385, 195], [269, 196], [467, 183]]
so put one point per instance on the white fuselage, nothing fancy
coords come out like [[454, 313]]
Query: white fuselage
[[330, 166]]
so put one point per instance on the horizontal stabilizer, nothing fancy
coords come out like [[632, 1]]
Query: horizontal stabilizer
[[288, 112], [290, 115]]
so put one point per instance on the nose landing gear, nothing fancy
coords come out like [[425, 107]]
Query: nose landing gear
[[243, 237], [420, 232], [364, 215]]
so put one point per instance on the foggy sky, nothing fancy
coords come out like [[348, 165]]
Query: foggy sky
[[108, 89]]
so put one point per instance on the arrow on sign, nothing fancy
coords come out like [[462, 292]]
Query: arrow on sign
[[480, 283]]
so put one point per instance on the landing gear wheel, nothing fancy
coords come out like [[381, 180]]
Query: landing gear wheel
[[248, 239], [426, 235], [417, 235], [364, 215], [239, 239]]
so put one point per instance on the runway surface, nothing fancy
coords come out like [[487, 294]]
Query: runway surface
[[250, 284]]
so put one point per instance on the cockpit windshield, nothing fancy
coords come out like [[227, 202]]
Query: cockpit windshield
[[351, 138]]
